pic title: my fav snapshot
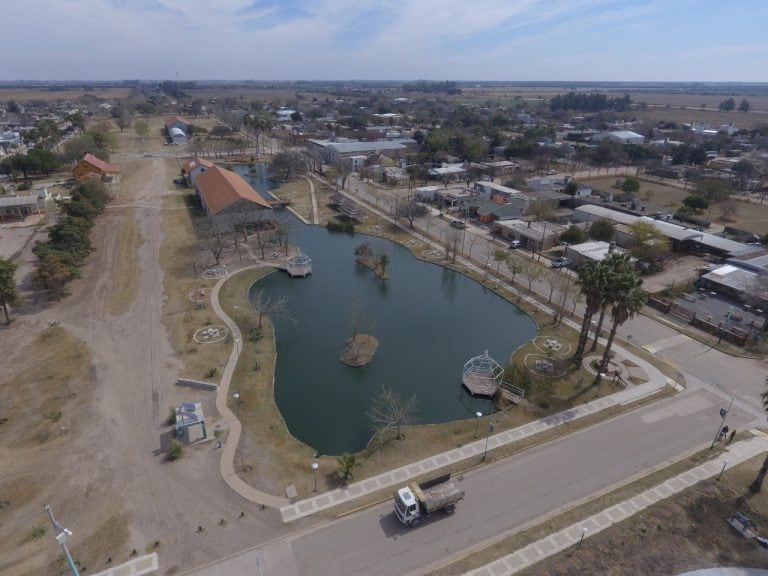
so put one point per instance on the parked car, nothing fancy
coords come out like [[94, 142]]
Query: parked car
[[515, 244], [458, 224], [561, 262]]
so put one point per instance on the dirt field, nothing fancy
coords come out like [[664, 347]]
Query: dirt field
[[111, 459], [22, 95], [748, 213]]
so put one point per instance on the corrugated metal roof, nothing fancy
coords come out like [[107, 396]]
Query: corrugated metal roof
[[14, 201], [607, 213]]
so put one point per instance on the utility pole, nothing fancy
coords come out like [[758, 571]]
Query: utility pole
[[61, 538]]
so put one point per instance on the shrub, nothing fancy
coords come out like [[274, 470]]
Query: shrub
[[334, 226], [176, 450], [211, 372], [171, 420]]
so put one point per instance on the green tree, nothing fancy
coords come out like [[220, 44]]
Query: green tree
[[499, 256], [573, 235], [631, 185], [383, 264], [744, 105], [625, 305], [141, 128], [594, 278], [9, 294], [621, 278], [345, 463], [55, 271], [123, 120], [651, 245], [727, 105], [602, 230], [572, 188], [696, 203]]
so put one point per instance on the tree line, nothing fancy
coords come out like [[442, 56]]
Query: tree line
[[60, 257], [592, 102]]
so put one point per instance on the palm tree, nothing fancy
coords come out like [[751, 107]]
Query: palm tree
[[622, 279], [624, 307], [383, 263], [757, 485], [593, 277]]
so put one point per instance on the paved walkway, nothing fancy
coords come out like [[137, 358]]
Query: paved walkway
[[470, 452], [572, 535], [227, 462], [315, 211]]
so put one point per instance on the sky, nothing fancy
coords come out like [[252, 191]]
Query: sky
[[574, 40]]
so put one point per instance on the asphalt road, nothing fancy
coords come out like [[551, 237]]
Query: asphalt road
[[500, 498]]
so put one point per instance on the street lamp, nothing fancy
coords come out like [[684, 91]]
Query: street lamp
[[723, 415], [600, 376], [236, 313], [490, 430], [478, 415], [61, 539], [237, 346], [314, 467], [236, 396], [725, 463], [584, 531]]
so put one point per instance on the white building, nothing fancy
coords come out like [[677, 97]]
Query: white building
[[620, 137], [177, 136]]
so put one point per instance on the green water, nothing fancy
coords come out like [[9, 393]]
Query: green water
[[429, 322]]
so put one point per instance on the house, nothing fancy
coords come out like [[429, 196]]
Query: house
[[18, 207], [536, 236], [585, 252], [227, 197], [194, 168], [9, 140], [91, 166], [177, 136], [491, 211], [448, 172], [330, 150], [620, 137], [176, 122]]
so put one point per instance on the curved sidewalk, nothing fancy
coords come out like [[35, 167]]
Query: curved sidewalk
[[227, 462]]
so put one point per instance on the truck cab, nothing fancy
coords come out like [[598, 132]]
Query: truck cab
[[407, 507]]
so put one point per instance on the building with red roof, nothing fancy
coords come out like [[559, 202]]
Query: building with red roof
[[92, 166], [226, 196]]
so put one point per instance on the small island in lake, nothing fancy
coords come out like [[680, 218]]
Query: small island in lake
[[360, 350]]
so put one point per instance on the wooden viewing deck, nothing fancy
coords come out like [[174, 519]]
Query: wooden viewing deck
[[479, 384]]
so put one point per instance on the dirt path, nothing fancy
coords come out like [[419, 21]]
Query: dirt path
[[116, 471]]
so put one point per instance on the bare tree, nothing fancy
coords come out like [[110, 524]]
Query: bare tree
[[342, 168], [532, 273], [552, 281], [514, 267], [410, 210], [473, 239], [389, 410], [274, 306], [214, 235], [452, 242]]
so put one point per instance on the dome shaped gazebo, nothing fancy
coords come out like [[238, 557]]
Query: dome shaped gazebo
[[482, 375], [299, 265]]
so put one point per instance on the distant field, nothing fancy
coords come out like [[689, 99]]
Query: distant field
[[749, 216], [24, 94]]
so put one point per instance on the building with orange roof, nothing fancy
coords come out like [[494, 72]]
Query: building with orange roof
[[92, 166], [227, 197], [194, 168], [176, 122]]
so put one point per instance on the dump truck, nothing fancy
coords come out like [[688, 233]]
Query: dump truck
[[416, 501]]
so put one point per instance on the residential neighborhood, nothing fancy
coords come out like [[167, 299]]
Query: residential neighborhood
[[276, 299]]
